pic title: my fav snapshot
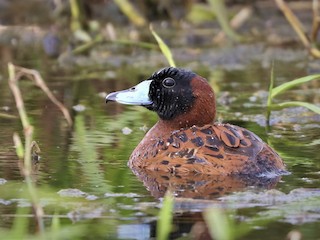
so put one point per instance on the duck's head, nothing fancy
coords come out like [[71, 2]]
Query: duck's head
[[178, 96]]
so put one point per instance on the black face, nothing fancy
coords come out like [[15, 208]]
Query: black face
[[171, 92]]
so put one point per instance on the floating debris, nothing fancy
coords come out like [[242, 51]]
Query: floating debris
[[270, 197], [5, 202], [92, 197], [126, 131], [102, 94], [144, 128], [6, 108], [110, 74], [72, 192], [2, 181], [79, 108], [128, 195], [85, 213]]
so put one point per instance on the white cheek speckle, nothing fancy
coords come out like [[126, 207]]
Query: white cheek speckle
[[167, 144]]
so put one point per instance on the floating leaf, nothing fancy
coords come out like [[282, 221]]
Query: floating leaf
[[163, 47]]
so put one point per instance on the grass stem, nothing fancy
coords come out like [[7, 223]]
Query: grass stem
[[25, 154]]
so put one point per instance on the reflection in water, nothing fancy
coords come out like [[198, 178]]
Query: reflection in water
[[199, 185]]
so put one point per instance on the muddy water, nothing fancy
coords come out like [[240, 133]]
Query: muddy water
[[109, 201]]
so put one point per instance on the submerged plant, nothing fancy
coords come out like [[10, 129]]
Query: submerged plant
[[275, 91]]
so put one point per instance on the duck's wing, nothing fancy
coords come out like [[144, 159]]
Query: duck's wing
[[212, 149], [220, 148]]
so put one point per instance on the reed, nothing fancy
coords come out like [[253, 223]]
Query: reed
[[308, 41], [24, 153]]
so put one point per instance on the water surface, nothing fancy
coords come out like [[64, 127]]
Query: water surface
[[109, 201]]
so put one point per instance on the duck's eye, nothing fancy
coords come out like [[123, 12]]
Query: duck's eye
[[168, 82]]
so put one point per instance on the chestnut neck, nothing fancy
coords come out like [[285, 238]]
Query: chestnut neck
[[202, 111]]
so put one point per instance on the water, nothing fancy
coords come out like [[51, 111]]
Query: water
[[92, 157]]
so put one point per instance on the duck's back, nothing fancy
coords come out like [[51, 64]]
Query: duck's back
[[220, 149]]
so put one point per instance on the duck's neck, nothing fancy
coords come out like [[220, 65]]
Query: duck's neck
[[202, 111], [191, 118]]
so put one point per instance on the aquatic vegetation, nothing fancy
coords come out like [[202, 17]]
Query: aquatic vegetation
[[128, 9], [164, 224], [223, 226], [309, 42], [220, 10], [25, 153], [275, 91], [164, 48], [28, 154]]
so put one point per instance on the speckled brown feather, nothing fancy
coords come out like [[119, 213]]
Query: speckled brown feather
[[219, 149]]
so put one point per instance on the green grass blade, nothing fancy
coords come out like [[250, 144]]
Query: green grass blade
[[271, 85], [219, 7], [129, 10], [163, 47], [219, 225], [310, 106], [20, 225], [269, 102], [18, 145], [165, 217], [55, 227], [285, 86]]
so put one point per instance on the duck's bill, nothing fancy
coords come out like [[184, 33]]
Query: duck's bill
[[137, 95]]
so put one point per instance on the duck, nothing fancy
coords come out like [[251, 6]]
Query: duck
[[187, 138]]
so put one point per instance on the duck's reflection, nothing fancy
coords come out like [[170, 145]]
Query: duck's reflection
[[200, 186]]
